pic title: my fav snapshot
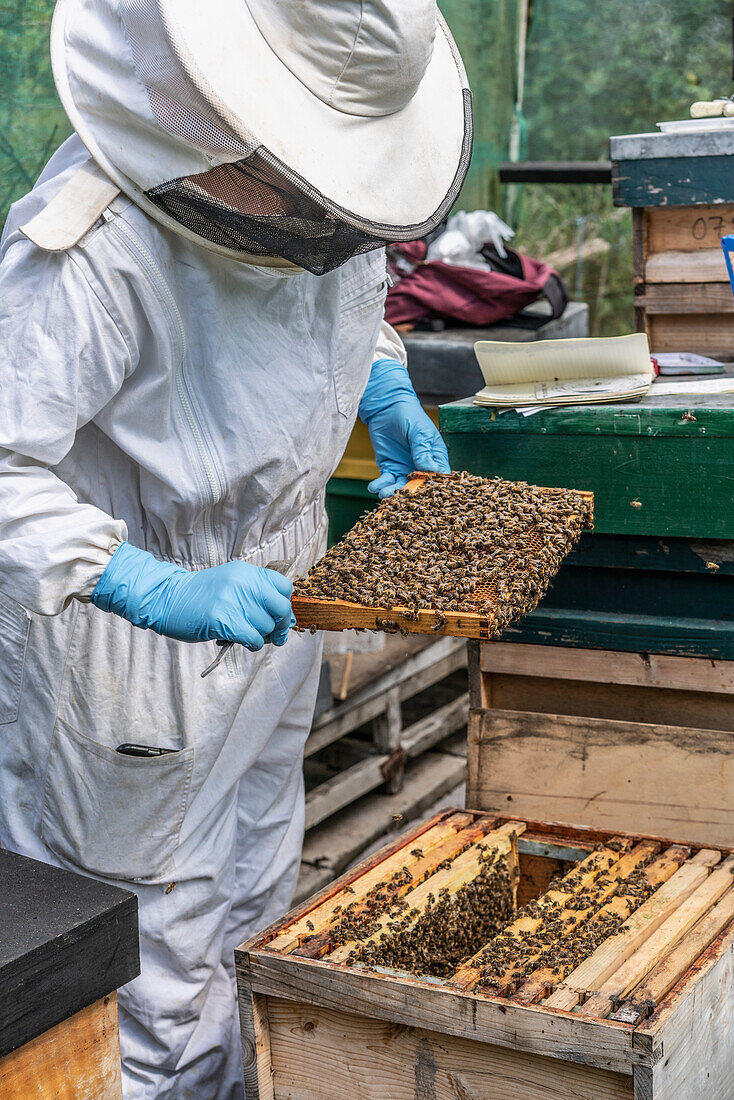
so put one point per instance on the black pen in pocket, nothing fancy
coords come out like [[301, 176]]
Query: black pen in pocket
[[128, 749]]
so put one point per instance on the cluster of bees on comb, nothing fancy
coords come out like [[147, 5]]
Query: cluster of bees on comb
[[452, 927], [557, 943], [460, 543], [475, 928]]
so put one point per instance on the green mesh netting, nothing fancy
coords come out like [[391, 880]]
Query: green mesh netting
[[486, 32], [596, 69], [593, 69], [617, 67], [32, 121]]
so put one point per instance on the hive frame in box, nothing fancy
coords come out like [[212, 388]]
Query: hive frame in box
[[343, 615], [410, 1028]]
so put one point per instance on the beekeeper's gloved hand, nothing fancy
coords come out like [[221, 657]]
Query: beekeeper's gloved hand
[[234, 602], [403, 436]]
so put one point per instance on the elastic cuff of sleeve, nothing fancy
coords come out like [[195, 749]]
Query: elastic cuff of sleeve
[[130, 577], [388, 382]]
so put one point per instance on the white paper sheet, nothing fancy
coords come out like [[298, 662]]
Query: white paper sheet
[[563, 371]]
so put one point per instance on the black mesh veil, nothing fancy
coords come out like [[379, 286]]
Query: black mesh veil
[[259, 207]]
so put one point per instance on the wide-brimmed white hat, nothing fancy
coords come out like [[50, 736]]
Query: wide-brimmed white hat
[[361, 110]]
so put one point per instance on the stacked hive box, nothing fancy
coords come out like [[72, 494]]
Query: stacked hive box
[[483, 955], [681, 189]]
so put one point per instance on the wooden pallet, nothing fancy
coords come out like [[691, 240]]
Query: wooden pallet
[[379, 702], [652, 1017], [345, 838], [343, 615]]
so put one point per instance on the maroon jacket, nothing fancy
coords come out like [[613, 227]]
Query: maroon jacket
[[437, 289]]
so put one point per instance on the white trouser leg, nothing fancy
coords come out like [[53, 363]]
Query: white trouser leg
[[179, 1021], [270, 809]]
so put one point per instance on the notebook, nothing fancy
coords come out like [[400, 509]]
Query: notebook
[[564, 372]]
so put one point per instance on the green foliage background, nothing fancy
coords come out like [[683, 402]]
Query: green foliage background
[[594, 68], [32, 122], [602, 67]]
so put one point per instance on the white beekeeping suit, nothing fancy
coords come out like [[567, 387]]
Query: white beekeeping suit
[[186, 331]]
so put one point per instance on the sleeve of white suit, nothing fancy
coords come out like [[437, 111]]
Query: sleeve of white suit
[[389, 345], [62, 358]]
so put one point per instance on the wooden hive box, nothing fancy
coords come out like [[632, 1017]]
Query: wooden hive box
[[683, 299], [680, 188], [314, 1026]]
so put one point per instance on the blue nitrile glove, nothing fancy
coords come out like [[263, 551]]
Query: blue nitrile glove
[[234, 602], [403, 436]]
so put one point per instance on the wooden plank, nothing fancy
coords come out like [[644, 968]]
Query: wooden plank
[[386, 732], [622, 702], [342, 615], [673, 180], [705, 266], [332, 1055], [341, 789], [692, 1035], [426, 733], [594, 971], [578, 879], [364, 877], [677, 298], [77, 1058], [422, 670], [555, 171], [705, 333], [255, 1037], [647, 956], [674, 965], [619, 906], [639, 242], [672, 634], [462, 870], [432, 854], [687, 228], [416, 1003], [638, 777], [609, 667], [478, 686]]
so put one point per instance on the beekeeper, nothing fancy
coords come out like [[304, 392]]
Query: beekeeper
[[191, 306]]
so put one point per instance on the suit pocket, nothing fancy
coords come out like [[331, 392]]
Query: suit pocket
[[15, 625], [114, 815]]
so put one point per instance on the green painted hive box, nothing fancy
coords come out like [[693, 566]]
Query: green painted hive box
[[657, 574]]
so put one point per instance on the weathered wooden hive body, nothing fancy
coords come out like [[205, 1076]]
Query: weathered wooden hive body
[[480, 955]]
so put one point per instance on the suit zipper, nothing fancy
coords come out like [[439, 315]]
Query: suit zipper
[[215, 486]]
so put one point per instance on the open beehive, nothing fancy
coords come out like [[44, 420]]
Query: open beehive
[[569, 959], [520, 555]]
